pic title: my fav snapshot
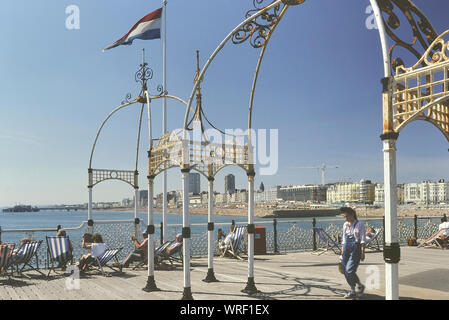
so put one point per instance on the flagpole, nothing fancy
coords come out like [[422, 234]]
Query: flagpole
[[164, 118]]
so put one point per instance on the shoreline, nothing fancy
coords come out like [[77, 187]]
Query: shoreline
[[263, 212]]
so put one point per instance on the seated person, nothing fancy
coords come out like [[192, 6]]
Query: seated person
[[370, 233], [22, 242], [140, 252], [220, 235], [172, 248], [225, 244], [175, 245], [97, 248], [444, 224], [62, 233]]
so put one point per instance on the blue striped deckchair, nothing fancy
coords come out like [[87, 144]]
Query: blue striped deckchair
[[330, 244], [233, 247], [24, 255], [6, 250], [161, 254], [59, 250], [99, 262]]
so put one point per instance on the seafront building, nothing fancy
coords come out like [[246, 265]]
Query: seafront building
[[314, 193], [363, 192], [342, 192], [434, 192], [194, 183], [229, 184], [379, 197]]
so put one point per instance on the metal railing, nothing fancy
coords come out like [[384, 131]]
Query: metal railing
[[280, 235]]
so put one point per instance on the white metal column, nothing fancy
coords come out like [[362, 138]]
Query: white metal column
[[210, 277], [151, 283], [187, 294], [391, 226], [89, 211], [164, 122], [250, 286], [136, 202]]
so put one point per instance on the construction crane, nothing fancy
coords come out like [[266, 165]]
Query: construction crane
[[323, 168]]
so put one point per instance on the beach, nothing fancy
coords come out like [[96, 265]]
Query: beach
[[260, 212]]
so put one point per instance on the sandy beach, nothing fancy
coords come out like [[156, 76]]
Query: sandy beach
[[261, 212]]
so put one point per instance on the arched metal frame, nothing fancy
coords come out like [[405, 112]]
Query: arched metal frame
[[408, 93], [402, 104]]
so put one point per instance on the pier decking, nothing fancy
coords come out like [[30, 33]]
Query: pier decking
[[424, 274]]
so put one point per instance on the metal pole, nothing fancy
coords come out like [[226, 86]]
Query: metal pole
[[89, 209], [210, 233], [391, 248], [162, 233], [151, 283], [136, 202], [415, 223], [187, 293], [314, 234], [275, 235], [250, 285], [164, 119]]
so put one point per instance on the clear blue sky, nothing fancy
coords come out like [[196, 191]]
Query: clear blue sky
[[319, 85]]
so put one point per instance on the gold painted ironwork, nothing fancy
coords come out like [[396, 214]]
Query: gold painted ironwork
[[421, 92], [423, 32]]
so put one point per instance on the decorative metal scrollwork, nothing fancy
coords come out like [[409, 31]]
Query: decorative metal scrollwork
[[423, 32], [144, 74], [127, 98], [161, 91], [258, 30]]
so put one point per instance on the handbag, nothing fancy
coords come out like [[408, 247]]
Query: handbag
[[340, 268]]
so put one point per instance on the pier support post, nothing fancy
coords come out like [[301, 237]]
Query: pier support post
[[187, 293], [151, 283], [90, 229], [250, 285], [415, 226], [210, 277], [391, 246], [275, 235], [314, 234]]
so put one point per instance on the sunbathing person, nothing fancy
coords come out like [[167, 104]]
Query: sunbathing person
[[175, 245], [370, 233], [97, 248], [140, 252]]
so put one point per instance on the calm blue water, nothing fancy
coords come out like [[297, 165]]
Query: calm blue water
[[71, 219], [118, 235]]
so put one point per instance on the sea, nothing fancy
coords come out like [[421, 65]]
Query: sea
[[118, 234], [73, 219]]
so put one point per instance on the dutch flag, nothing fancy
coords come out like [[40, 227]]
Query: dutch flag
[[147, 28]]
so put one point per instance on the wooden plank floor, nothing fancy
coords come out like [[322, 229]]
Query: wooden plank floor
[[424, 274]]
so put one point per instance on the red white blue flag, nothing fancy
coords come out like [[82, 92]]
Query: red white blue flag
[[147, 28]]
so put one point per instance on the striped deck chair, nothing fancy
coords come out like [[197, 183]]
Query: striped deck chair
[[24, 256], [373, 242], [161, 254], [59, 250], [6, 250], [433, 239], [102, 261], [233, 247], [330, 244]]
